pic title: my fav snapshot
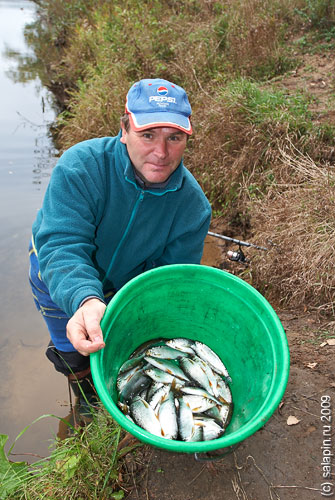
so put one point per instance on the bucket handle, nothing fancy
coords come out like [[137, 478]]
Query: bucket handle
[[212, 458]]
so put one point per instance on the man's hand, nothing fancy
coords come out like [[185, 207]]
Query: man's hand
[[83, 329]]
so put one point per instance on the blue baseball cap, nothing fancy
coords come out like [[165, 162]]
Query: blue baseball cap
[[158, 103]]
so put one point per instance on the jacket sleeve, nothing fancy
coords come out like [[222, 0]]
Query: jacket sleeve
[[64, 231]]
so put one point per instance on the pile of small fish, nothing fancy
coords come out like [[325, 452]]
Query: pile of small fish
[[176, 389]]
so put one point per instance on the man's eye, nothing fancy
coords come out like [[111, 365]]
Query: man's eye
[[147, 135]]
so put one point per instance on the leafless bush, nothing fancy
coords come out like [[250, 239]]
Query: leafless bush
[[299, 223]]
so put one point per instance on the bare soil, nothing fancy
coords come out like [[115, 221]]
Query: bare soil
[[280, 461], [316, 76]]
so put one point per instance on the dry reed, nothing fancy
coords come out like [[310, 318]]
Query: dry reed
[[299, 221]]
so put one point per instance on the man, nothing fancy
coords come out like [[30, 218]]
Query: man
[[114, 208]]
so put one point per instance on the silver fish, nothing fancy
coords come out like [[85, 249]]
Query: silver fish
[[143, 347], [210, 429], [163, 377], [144, 416], [137, 383], [131, 363], [153, 388], [199, 391], [214, 412], [124, 378], [164, 352], [204, 352], [184, 345], [221, 413], [143, 393], [224, 392], [195, 371], [197, 434], [225, 414], [211, 375], [168, 417], [185, 420], [173, 393], [167, 366], [198, 403], [159, 396]]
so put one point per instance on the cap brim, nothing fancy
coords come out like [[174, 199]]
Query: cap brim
[[150, 120]]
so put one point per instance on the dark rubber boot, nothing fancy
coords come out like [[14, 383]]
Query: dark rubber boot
[[83, 389]]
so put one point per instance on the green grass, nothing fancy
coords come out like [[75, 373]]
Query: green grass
[[269, 105], [83, 466], [319, 14], [317, 41], [319, 337]]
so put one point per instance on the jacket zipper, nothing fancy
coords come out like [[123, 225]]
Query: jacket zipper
[[132, 216]]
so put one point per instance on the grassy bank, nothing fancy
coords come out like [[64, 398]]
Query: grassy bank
[[85, 465], [258, 147]]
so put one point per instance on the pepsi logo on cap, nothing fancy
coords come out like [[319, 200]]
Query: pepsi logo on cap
[[162, 90]]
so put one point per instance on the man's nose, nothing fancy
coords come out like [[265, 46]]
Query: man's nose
[[161, 148]]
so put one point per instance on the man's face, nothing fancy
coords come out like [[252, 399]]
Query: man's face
[[155, 152]]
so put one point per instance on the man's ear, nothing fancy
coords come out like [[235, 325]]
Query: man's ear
[[124, 133]]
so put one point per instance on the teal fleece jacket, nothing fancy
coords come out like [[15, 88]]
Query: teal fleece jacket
[[97, 228]]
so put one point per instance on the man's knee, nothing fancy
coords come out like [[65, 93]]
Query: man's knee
[[68, 363]]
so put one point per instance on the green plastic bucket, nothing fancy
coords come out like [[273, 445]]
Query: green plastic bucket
[[216, 308]]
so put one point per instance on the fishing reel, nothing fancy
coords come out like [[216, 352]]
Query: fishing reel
[[237, 255]]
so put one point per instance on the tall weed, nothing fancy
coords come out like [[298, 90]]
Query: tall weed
[[297, 221], [86, 465]]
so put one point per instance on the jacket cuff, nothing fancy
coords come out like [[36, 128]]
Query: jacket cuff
[[91, 297]]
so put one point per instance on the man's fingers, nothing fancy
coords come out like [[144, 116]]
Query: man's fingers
[[83, 344], [83, 329], [86, 347], [93, 330]]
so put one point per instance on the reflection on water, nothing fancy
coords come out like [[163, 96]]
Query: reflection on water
[[30, 387]]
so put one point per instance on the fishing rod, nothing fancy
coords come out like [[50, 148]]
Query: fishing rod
[[238, 242], [237, 256]]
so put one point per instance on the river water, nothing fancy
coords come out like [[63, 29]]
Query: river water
[[29, 385]]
